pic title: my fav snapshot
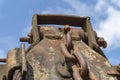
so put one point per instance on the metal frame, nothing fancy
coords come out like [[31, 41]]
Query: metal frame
[[77, 21]]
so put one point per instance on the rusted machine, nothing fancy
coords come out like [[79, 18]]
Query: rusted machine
[[71, 52]]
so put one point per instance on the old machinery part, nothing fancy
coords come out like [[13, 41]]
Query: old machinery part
[[101, 42], [24, 63], [3, 60], [60, 53], [28, 39], [76, 74], [79, 72]]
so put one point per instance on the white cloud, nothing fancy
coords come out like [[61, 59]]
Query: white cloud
[[79, 7], [75, 8], [101, 6], [110, 28], [57, 10], [116, 2]]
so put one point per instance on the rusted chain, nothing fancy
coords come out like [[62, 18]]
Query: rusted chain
[[78, 55], [79, 71], [68, 38], [92, 75], [82, 62], [66, 52], [76, 74]]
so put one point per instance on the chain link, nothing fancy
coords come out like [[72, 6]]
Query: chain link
[[72, 53]]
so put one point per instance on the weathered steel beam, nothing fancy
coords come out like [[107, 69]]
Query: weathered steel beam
[[61, 19], [24, 63], [3, 60], [35, 29]]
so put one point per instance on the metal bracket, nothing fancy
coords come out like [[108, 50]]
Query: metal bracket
[[24, 65]]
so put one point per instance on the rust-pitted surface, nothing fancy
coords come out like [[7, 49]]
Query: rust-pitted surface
[[13, 58], [61, 19], [44, 58], [97, 63], [3, 60]]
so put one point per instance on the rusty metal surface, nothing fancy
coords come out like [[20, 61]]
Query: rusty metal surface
[[13, 62], [61, 19], [66, 53], [82, 62], [76, 75], [48, 54], [65, 57], [84, 23], [44, 60], [13, 58], [92, 76], [79, 67], [97, 64]]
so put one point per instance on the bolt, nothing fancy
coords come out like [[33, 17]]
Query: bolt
[[23, 39], [67, 28], [101, 42]]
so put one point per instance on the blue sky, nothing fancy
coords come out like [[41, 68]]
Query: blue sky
[[16, 17]]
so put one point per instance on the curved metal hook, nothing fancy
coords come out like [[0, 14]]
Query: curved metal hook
[[66, 53], [76, 74]]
